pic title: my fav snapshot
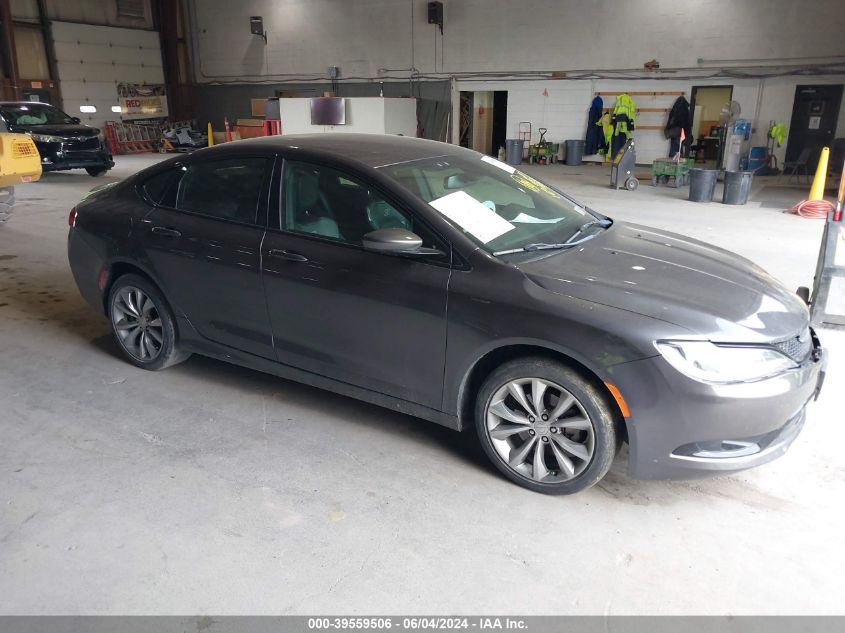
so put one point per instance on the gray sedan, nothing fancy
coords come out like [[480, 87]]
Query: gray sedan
[[438, 282]]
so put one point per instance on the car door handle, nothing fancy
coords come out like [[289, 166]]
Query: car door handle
[[287, 255], [167, 232]]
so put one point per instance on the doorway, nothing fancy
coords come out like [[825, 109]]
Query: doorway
[[483, 123], [706, 104], [500, 119], [465, 129], [815, 113]]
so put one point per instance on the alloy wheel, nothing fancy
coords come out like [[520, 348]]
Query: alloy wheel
[[137, 323], [540, 430]]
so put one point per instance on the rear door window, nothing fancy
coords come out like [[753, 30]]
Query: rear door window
[[161, 188], [227, 189]]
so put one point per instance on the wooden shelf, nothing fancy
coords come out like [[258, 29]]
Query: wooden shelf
[[641, 94]]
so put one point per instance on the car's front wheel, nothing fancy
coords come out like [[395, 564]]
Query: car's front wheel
[[143, 324], [96, 171], [545, 427]]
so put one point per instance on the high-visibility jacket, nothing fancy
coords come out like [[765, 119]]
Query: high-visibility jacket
[[778, 132], [624, 115]]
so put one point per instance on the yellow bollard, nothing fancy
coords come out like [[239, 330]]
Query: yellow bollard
[[817, 190], [210, 135]]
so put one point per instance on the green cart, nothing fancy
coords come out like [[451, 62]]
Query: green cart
[[663, 169], [544, 152]]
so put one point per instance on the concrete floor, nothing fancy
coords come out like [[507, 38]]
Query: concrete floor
[[211, 489]]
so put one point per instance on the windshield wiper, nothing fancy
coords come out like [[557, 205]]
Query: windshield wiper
[[604, 223]]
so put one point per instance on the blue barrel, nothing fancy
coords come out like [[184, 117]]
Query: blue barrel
[[756, 158]]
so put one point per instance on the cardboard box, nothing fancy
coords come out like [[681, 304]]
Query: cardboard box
[[220, 137], [250, 128], [258, 107]]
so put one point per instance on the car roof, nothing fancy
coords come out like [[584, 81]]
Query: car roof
[[373, 150], [24, 103]]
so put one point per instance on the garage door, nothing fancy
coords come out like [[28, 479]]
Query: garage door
[[92, 60]]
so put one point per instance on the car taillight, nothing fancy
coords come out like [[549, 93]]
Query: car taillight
[[71, 219]]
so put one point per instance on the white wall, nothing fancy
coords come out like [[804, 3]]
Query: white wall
[[507, 37], [564, 110], [364, 115], [304, 37]]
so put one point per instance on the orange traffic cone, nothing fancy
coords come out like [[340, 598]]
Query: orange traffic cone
[[815, 206]]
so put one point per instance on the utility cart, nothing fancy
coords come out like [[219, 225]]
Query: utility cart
[[662, 169], [544, 152], [622, 169]]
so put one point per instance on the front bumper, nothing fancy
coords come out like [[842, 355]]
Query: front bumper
[[64, 156], [681, 428]]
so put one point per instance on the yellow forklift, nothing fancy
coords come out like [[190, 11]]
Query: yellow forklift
[[19, 163]]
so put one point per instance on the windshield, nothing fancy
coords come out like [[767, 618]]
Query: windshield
[[34, 114], [497, 206]]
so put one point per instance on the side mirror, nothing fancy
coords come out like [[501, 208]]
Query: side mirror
[[392, 241], [75, 119], [397, 241]]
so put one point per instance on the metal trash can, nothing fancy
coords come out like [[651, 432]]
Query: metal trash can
[[737, 187], [513, 151], [702, 184], [574, 151]]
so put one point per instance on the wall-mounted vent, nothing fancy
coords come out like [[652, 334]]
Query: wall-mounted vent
[[131, 9]]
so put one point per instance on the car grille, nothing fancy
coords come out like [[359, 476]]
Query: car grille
[[81, 144], [798, 347]]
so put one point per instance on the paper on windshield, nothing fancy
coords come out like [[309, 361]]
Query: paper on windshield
[[472, 216]]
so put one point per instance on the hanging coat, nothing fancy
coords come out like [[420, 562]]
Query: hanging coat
[[679, 119], [595, 138], [624, 120], [678, 127], [607, 133]]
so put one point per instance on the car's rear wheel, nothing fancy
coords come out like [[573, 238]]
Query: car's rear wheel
[[143, 324], [96, 171], [545, 427]]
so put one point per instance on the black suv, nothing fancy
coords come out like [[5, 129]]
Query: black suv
[[63, 142]]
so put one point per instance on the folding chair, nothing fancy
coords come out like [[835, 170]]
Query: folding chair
[[798, 167]]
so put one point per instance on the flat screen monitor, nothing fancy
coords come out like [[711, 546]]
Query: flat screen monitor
[[328, 111]]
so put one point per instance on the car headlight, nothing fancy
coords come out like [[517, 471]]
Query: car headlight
[[707, 362], [46, 138]]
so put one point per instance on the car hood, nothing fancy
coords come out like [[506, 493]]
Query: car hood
[[58, 130], [709, 291]]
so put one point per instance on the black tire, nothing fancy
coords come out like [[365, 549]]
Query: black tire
[[606, 433], [96, 171], [631, 184], [168, 353]]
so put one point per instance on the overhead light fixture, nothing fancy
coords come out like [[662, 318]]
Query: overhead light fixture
[[116, 109], [256, 27], [88, 109]]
